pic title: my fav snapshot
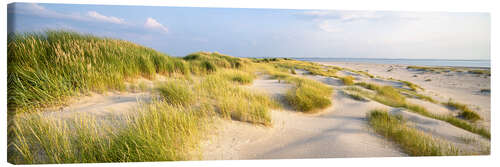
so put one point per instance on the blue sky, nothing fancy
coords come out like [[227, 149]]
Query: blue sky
[[179, 31]]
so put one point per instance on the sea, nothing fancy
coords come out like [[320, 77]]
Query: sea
[[415, 62]]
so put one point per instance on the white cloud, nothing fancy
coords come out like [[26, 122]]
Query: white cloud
[[354, 16], [100, 17], [343, 15], [38, 10], [153, 24], [329, 26]]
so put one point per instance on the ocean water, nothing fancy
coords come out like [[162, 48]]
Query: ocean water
[[416, 62]]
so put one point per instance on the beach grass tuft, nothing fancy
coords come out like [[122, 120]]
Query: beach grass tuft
[[465, 112], [308, 95], [348, 80], [46, 68], [158, 131], [411, 140], [175, 92]]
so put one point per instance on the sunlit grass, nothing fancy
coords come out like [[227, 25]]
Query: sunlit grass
[[155, 132], [465, 112], [176, 92], [347, 80], [46, 68], [308, 95], [391, 97], [411, 140]]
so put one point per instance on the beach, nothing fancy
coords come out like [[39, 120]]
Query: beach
[[212, 106], [342, 130]]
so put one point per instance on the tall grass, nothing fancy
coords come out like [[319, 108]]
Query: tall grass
[[234, 102], [391, 97], [176, 92], [355, 96], [312, 68], [308, 95], [465, 112], [45, 68], [411, 140], [347, 80], [238, 76], [209, 62], [156, 132]]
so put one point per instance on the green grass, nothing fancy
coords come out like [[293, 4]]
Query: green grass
[[364, 73], [417, 95], [368, 85], [308, 95], [44, 69], [238, 76], [347, 80], [356, 96], [391, 97], [175, 92], [449, 69], [155, 132], [412, 86], [411, 140], [481, 72], [233, 102], [465, 112], [312, 68]]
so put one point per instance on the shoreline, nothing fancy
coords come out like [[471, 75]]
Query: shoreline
[[388, 62]]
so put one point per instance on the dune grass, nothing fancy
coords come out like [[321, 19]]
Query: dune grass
[[412, 86], [411, 140], [414, 94], [481, 72], [385, 94], [239, 76], [175, 92], [364, 73], [312, 68], [234, 102], [391, 97], [46, 68], [308, 95], [209, 62], [355, 96], [449, 69], [368, 85], [158, 131], [347, 80], [465, 112]]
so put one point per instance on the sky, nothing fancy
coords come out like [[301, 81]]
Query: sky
[[178, 31]]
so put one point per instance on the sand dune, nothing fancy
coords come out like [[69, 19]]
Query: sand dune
[[459, 86], [339, 131], [342, 130]]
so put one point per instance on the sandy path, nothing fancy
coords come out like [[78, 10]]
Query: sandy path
[[339, 131]]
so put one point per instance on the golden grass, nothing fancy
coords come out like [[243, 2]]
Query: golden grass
[[411, 140]]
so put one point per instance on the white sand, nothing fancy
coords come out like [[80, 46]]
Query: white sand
[[339, 131], [342, 130]]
